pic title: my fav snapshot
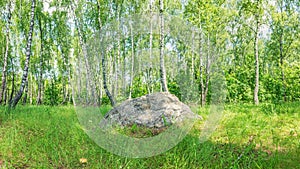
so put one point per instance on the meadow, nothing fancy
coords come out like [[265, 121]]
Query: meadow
[[248, 136]]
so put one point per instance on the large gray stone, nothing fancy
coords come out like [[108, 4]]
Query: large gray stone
[[156, 110]]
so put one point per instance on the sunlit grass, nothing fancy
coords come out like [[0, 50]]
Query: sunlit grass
[[267, 136]]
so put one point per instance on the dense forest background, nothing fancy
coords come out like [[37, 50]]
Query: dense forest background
[[255, 42]]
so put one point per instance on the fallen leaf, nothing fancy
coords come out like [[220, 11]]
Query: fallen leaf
[[269, 152], [83, 160]]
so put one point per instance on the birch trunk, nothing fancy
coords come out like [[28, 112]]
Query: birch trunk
[[117, 67], [3, 86], [281, 65], [193, 58], [207, 72], [5, 96], [117, 92], [40, 78], [17, 98], [256, 101], [69, 85], [26, 93], [124, 69], [201, 70], [163, 78], [111, 99], [150, 86], [90, 82], [13, 81], [31, 90], [132, 62]]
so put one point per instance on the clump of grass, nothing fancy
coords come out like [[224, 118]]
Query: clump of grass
[[138, 131]]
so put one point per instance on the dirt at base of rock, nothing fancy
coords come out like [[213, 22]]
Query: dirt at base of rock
[[157, 110]]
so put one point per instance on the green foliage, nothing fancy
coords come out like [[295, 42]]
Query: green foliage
[[238, 85], [227, 34], [52, 93], [188, 88], [174, 88], [105, 100], [139, 88]]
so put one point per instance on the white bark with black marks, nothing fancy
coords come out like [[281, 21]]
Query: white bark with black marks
[[89, 76], [12, 81], [149, 71], [112, 101], [207, 71], [40, 78], [256, 100], [163, 77], [17, 98], [132, 61], [111, 98], [201, 68], [3, 86]]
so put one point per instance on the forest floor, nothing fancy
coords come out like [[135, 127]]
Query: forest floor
[[248, 136]]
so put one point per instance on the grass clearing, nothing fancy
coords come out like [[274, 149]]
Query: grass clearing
[[267, 136]]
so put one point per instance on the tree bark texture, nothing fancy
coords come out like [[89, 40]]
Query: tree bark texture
[[132, 61], [256, 100], [17, 98], [163, 77], [3, 86], [111, 98]]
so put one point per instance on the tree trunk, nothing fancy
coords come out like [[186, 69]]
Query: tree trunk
[[124, 68], [69, 84], [64, 77], [201, 69], [40, 79], [193, 58], [17, 98], [64, 91], [256, 101], [132, 62], [26, 93], [117, 65], [117, 69], [3, 86], [281, 65], [163, 78], [12, 81], [89, 77], [149, 69], [207, 72], [31, 90], [111, 99], [5, 95]]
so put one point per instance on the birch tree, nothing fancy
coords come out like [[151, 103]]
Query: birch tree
[[90, 80], [18, 96], [251, 13], [3, 86], [103, 61], [163, 78]]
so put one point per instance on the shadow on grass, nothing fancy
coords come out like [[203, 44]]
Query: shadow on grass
[[227, 155], [52, 138], [267, 108], [190, 153]]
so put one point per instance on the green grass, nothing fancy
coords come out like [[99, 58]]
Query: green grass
[[267, 136]]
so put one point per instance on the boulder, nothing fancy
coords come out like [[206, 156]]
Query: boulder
[[157, 110]]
